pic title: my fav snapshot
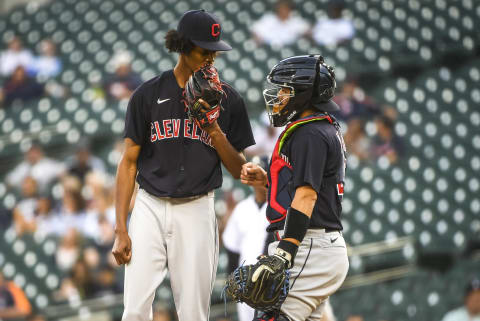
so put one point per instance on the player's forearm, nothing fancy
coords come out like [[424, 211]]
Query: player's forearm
[[125, 184], [231, 158], [296, 223], [304, 200]]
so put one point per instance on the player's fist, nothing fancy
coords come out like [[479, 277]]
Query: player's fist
[[254, 175], [122, 248]]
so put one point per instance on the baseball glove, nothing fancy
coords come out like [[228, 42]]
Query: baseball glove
[[263, 286], [204, 84]]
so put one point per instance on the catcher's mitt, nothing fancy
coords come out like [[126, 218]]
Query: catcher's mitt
[[204, 83], [263, 286]]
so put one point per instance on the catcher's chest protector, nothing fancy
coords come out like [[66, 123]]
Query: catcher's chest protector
[[281, 191]]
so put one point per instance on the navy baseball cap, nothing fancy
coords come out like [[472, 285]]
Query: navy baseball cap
[[203, 29]]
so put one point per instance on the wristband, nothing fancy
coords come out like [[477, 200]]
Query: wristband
[[296, 225], [287, 251]]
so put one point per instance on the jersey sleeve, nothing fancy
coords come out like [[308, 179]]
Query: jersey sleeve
[[239, 133], [135, 121], [308, 159]]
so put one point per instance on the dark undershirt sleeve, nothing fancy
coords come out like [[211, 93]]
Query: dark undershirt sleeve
[[135, 122], [308, 159]]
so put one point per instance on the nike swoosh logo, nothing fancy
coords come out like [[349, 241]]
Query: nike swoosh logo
[[333, 240], [162, 101]]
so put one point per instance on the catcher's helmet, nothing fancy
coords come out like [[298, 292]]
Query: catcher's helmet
[[299, 82]]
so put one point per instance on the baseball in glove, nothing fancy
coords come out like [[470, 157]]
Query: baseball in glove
[[263, 286], [205, 84]]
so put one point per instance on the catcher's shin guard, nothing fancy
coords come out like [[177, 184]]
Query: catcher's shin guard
[[277, 316]]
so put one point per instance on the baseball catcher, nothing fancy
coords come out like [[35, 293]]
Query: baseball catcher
[[263, 286], [305, 180], [204, 84]]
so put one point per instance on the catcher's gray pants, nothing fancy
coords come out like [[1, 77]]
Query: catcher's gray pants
[[320, 268], [180, 234]]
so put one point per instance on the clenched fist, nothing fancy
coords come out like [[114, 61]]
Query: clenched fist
[[122, 248], [253, 175]]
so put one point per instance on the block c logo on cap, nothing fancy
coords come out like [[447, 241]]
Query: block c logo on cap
[[215, 29]]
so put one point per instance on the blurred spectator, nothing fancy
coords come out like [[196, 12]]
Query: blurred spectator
[[24, 212], [265, 138], [69, 250], [101, 189], [124, 81], [356, 140], [245, 234], [386, 142], [91, 256], [106, 234], [280, 28], [21, 87], [13, 301], [67, 291], [354, 102], [106, 283], [44, 216], [116, 153], [83, 161], [100, 217], [14, 56], [96, 86], [82, 279], [43, 169], [334, 29], [73, 210], [224, 215], [47, 65], [470, 311]]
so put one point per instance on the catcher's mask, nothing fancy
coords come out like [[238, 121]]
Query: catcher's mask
[[295, 84]]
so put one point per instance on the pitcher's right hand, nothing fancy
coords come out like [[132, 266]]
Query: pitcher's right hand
[[253, 175], [122, 248]]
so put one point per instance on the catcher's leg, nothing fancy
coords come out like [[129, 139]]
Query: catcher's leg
[[320, 269], [262, 316]]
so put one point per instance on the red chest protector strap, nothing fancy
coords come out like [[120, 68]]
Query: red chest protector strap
[[278, 162]]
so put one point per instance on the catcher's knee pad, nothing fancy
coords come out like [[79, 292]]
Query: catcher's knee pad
[[262, 316]]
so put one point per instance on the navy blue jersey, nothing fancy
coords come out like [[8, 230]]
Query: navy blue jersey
[[312, 156], [177, 158]]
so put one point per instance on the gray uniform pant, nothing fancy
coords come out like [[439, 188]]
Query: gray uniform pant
[[178, 234], [320, 268]]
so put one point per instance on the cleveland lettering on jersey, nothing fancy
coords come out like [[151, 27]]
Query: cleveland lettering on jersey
[[171, 128]]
